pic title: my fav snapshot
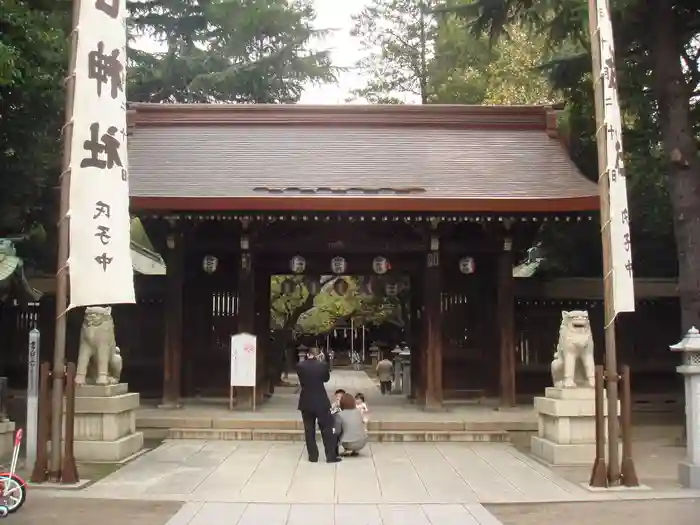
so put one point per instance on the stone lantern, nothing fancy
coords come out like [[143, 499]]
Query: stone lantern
[[689, 346]]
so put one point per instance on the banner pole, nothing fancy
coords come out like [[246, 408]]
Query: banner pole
[[59, 350]]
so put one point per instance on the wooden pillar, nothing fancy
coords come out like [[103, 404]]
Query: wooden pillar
[[246, 311], [172, 358], [506, 322], [432, 325]]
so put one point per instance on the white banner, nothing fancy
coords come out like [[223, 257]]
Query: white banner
[[243, 355], [620, 244], [100, 255]]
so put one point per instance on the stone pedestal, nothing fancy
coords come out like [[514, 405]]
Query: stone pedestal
[[566, 426], [105, 424], [689, 468], [7, 438]]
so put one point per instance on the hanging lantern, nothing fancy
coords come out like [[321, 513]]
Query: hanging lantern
[[380, 265], [210, 264], [467, 265], [338, 265], [391, 289], [288, 286], [297, 264], [341, 287]]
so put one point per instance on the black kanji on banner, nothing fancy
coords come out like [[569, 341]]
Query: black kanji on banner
[[107, 144], [106, 68], [109, 7], [104, 260], [103, 235]]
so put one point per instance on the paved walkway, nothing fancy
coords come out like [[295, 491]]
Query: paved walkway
[[387, 473], [283, 406], [305, 514]]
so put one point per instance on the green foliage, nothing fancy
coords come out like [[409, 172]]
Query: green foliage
[[466, 69], [33, 62], [304, 312], [396, 36], [565, 24], [414, 49], [245, 51]]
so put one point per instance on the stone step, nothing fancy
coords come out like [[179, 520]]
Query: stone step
[[248, 434]]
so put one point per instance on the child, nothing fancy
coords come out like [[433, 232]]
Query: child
[[362, 407], [335, 406]]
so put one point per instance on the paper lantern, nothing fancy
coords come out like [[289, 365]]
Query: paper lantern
[[467, 265], [338, 265], [297, 264], [380, 265], [210, 264]]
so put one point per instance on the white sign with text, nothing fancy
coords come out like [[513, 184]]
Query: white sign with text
[[243, 360]]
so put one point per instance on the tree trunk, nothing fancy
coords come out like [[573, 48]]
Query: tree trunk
[[673, 96]]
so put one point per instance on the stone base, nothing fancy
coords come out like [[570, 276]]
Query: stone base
[[558, 454], [689, 475], [105, 423], [109, 451], [566, 426], [7, 438]]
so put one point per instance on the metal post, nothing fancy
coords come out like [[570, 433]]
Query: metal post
[[611, 374], [40, 468], [32, 395], [599, 476], [627, 471], [62, 264]]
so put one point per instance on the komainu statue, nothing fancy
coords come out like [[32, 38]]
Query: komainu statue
[[573, 364], [99, 360]]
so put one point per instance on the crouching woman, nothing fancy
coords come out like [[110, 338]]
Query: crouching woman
[[351, 427]]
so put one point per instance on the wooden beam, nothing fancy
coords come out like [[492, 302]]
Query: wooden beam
[[172, 358], [433, 327], [506, 323]]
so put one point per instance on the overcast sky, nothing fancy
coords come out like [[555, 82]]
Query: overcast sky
[[345, 50]]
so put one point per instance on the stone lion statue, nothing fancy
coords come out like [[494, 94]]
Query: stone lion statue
[[99, 359], [573, 365]]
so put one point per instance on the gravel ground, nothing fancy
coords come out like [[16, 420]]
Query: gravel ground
[[43, 509], [649, 512]]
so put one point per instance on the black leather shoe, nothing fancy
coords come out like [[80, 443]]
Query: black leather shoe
[[334, 460], [313, 460]]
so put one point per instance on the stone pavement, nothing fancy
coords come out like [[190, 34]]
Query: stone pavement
[[310, 514], [386, 473], [648, 512]]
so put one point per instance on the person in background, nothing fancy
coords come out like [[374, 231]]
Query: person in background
[[385, 373], [362, 407], [314, 406], [352, 435]]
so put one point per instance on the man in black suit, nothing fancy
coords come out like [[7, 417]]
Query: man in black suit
[[315, 406]]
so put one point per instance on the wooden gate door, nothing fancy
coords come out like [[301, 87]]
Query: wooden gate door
[[211, 318]]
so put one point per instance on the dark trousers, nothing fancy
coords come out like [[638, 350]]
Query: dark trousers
[[385, 387], [325, 424]]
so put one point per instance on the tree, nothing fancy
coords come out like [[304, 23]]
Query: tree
[[409, 51], [396, 36], [33, 63], [246, 51], [467, 70], [659, 74], [295, 306]]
